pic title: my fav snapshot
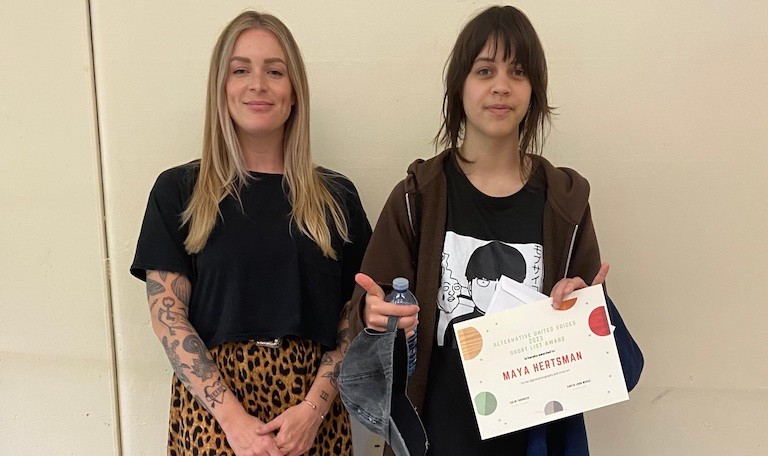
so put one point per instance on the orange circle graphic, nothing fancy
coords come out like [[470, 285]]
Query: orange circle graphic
[[471, 342]]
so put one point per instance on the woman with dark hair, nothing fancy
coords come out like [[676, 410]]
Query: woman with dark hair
[[489, 186], [249, 255]]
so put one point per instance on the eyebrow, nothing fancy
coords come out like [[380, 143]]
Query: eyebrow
[[488, 59], [267, 61]]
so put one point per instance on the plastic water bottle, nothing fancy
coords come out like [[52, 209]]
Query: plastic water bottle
[[401, 295]]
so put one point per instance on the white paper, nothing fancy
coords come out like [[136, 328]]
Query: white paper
[[511, 293], [533, 364]]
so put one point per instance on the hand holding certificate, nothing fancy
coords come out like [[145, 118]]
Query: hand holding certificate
[[531, 364]]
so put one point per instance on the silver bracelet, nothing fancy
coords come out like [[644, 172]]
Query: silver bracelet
[[314, 407]]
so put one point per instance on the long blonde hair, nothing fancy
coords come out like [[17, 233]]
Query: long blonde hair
[[222, 169]]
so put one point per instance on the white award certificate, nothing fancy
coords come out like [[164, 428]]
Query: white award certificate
[[532, 364]]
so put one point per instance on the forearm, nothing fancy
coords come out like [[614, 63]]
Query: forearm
[[168, 294], [325, 388]]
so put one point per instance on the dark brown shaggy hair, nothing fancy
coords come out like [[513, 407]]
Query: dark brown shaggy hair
[[509, 27]]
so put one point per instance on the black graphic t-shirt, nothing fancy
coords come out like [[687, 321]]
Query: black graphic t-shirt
[[486, 237]]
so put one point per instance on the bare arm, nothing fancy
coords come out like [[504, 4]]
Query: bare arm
[[168, 294], [325, 387]]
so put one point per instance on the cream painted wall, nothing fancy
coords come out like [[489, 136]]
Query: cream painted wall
[[662, 105], [56, 365]]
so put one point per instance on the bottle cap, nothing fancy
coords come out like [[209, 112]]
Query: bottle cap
[[400, 284]]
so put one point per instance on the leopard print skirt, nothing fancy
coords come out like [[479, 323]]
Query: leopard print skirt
[[267, 381]]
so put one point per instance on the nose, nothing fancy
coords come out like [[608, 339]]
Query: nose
[[501, 85], [257, 83]]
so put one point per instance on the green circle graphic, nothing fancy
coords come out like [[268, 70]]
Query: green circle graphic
[[485, 403]]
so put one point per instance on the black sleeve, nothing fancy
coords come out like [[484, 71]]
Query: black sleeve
[[629, 353], [359, 233], [161, 240]]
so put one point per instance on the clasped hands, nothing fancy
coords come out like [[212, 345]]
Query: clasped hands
[[292, 433]]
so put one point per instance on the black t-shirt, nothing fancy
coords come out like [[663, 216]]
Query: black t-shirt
[[486, 237], [257, 277]]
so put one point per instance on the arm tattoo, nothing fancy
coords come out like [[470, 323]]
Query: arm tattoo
[[182, 289], [333, 376], [172, 319], [154, 287], [342, 337], [154, 303], [163, 275], [324, 395], [215, 393], [327, 360], [202, 366], [173, 357], [345, 311]]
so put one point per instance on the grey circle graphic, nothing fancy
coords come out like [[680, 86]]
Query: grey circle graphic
[[553, 407]]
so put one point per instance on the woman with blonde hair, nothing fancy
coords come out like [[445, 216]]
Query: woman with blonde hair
[[249, 255]]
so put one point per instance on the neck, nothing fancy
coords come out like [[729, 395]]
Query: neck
[[263, 154], [493, 165], [495, 155]]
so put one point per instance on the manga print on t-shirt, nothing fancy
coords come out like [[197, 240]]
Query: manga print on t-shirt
[[471, 268], [450, 293]]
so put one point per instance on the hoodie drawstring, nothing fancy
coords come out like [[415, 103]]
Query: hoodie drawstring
[[570, 251]]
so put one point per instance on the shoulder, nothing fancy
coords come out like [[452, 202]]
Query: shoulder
[[176, 183], [422, 173], [562, 179], [340, 186], [567, 190], [182, 175], [423, 177], [336, 179]]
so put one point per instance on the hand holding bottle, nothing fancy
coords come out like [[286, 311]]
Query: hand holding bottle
[[402, 296], [377, 311]]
